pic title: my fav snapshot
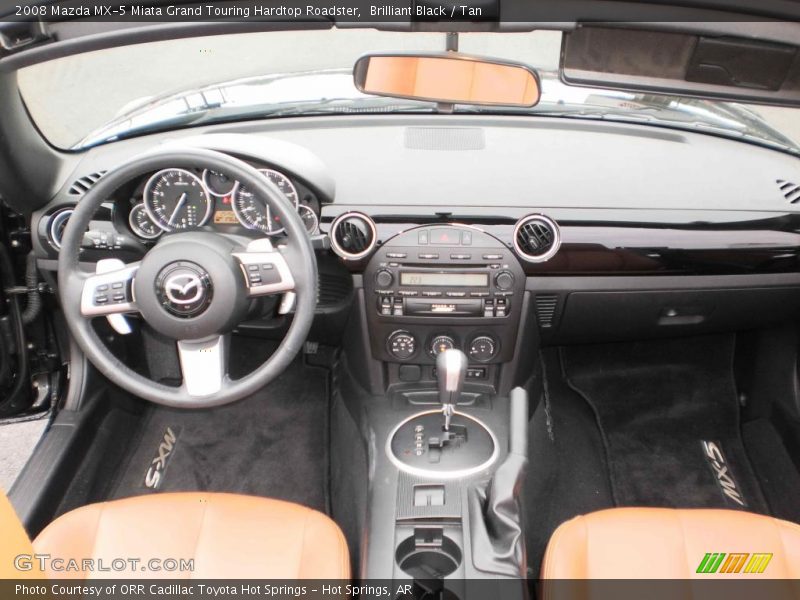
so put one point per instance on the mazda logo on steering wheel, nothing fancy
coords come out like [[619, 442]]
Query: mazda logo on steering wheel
[[184, 289]]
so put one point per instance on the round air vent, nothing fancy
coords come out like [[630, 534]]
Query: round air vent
[[353, 235], [56, 225], [536, 238]]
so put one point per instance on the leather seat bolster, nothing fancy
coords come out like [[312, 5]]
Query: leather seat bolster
[[225, 535], [662, 543]]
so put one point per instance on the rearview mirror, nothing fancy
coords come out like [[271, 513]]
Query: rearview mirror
[[450, 78]]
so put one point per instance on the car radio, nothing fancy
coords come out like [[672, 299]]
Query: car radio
[[443, 281], [441, 291]]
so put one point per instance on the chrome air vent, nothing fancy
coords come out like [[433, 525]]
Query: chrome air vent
[[790, 191], [83, 184], [536, 238], [56, 223], [353, 235]]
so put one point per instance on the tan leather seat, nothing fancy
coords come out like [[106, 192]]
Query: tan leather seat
[[663, 543], [226, 535], [15, 542]]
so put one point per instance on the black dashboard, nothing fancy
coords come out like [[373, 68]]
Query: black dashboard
[[607, 231]]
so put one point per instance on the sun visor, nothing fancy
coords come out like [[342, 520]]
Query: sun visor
[[719, 67]]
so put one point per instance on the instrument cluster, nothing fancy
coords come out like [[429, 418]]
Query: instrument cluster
[[174, 199]]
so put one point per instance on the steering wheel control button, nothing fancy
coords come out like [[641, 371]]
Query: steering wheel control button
[[184, 289]]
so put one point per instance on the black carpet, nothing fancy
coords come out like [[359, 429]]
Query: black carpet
[[566, 475], [274, 443], [655, 403], [774, 468]]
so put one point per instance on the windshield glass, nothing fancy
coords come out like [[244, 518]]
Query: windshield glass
[[98, 97]]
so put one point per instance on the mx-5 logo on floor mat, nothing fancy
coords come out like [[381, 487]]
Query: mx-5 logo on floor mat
[[722, 474], [158, 466], [735, 562]]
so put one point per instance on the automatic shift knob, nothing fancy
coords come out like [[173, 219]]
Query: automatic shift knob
[[451, 371]]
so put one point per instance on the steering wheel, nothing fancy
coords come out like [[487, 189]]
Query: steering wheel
[[193, 287]]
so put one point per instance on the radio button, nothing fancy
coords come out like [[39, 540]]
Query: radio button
[[492, 257], [396, 255], [429, 294], [455, 294], [504, 280], [460, 256], [428, 256], [488, 308], [479, 294], [407, 293], [384, 278], [501, 305], [385, 305]]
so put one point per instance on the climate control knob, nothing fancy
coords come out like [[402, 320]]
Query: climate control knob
[[441, 343], [384, 278], [504, 280], [402, 345], [482, 349]]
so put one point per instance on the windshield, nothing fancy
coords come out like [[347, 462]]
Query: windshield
[[98, 97]]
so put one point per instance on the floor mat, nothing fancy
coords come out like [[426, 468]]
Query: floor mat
[[273, 443], [669, 419], [567, 475]]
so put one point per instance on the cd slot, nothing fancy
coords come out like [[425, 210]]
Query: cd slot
[[444, 307]]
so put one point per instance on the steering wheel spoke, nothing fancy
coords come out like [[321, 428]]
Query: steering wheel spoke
[[204, 365], [265, 269], [110, 290]]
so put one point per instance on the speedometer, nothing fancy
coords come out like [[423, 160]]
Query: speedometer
[[176, 200], [254, 212]]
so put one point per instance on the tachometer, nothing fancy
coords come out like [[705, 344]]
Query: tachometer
[[142, 225], [176, 199], [254, 213]]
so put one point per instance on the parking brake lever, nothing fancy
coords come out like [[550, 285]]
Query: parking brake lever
[[498, 544]]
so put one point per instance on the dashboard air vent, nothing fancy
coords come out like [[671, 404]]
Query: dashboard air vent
[[536, 238], [56, 224], [83, 184], [546, 305], [790, 191], [353, 235]]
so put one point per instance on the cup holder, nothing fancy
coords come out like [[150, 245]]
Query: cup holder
[[425, 561]]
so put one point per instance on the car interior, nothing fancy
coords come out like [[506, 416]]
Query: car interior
[[473, 318]]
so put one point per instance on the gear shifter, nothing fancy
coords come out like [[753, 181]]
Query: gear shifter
[[451, 369]]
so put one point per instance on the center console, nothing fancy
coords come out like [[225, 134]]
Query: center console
[[439, 287], [443, 308]]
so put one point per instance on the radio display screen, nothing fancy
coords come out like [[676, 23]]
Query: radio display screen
[[445, 279]]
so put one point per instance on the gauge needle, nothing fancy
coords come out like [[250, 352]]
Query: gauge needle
[[181, 201]]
